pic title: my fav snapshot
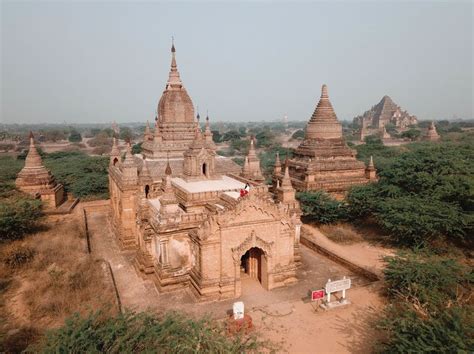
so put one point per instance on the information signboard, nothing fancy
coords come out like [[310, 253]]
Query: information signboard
[[338, 285]]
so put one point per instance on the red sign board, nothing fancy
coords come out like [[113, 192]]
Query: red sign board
[[317, 294]]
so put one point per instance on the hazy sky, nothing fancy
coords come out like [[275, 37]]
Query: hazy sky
[[88, 61]]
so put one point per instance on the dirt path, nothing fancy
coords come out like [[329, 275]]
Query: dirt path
[[362, 254], [304, 328]]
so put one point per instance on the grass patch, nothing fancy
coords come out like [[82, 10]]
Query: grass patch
[[341, 233], [47, 277]]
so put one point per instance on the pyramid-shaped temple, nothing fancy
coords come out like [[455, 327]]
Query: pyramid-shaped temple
[[323, 161], [38, 181], [383, 113]]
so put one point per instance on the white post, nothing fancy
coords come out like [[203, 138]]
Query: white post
[[329, 294]]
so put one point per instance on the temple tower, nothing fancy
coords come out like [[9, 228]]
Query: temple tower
[[370, 171], [251, 169], [323, 161], [200, 158], [36, 180], [175, 118]]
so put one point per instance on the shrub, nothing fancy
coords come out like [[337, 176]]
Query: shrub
[[137, 148], [431, 280], [322, 208], [142, 332], [430, 310], [75, 136], [411, 134], [19, 255], [19, 215], [448, 331]]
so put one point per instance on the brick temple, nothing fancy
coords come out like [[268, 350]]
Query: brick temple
[[38, 181], [197, 220], [323, 161]]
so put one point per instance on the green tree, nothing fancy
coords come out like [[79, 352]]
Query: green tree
[[75, 136], [126, 134], [299, 134], [412, 134], [231, 135], [321, 207], [216, 136], [265, 139], [423, 194], [137, 148]]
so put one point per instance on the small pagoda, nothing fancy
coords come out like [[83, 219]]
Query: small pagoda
[[323, 161], [38, 181], [431, 134]]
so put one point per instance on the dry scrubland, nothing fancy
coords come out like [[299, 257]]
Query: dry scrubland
[[45, 278]]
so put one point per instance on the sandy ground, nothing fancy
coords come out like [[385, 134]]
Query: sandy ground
[[284, 316]]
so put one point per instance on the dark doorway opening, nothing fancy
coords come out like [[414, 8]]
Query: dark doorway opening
[[147, 190], [204, 169], [251, 263], [115, 161]]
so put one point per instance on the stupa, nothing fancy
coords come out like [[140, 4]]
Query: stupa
[[323, 161], [251, 169], [431, 133], [38, 181]]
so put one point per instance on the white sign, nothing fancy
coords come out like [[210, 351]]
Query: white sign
[[337, 285], [238, 310]]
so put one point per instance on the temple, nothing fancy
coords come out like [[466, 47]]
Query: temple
[[197, 220], [38, 181], [323, 161], [431, 133], [383, 113]]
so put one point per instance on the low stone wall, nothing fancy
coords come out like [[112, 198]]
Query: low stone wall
[[102, 204], [369, 274]]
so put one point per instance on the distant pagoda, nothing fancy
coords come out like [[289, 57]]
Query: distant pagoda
[[323, 161], [431, 134], [38, 181]]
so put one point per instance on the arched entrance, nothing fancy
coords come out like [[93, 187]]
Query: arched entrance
[[252, 262]]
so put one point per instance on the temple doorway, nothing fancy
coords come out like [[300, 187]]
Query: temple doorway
[[251, 263]]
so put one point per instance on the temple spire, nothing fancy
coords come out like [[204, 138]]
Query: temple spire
[[174, 81], [323, 123], [286, 181], [33, 158], [252, 152], [277, 166]]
